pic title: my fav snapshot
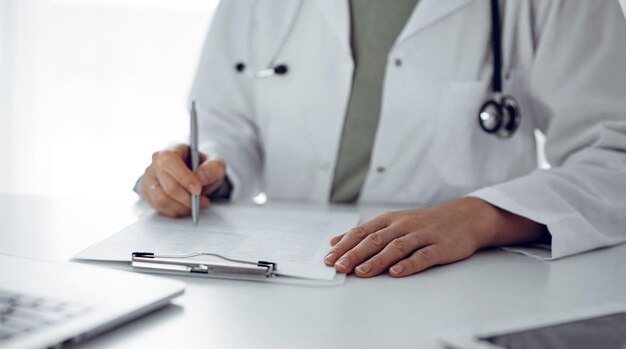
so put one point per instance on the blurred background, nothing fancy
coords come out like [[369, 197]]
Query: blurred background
[[90, 88]]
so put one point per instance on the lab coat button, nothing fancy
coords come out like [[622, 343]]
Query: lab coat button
[[380, 169], [398, 62]]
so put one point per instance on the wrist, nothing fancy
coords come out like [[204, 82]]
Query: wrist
[[485, 221], [493, 226]]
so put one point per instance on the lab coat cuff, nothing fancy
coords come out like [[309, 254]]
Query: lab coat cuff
[[223, 192]]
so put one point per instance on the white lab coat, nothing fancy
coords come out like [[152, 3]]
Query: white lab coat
[[565, 62]]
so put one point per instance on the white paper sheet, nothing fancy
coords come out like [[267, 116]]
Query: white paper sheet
[[295, 239]]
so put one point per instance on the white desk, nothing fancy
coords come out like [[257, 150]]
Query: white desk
[[373, 313]]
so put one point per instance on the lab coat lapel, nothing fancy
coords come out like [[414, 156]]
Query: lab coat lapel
[[276, 30], [427, 13], [337, 14]]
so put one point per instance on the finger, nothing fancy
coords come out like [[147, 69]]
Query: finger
[[178, 193], [349, 241], [204, 202], [376, 224], [211, 173], [369, 246], [211, 188], [166, 205], [392, 252], [181, 149], [336, 239], [172, 163], [420, 260], [173, 189]]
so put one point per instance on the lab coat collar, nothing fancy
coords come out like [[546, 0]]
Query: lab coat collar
[[427, 13], [283, 17], [338, 15]]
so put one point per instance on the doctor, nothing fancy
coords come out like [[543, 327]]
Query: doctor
[[379, 101]]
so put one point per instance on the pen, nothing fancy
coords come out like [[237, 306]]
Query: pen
[[193, 159]]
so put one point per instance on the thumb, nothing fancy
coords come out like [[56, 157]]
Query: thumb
[[211, 171]]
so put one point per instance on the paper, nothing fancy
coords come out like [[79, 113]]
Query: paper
[[297, 240]]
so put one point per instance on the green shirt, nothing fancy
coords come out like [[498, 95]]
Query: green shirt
[[375, 26]]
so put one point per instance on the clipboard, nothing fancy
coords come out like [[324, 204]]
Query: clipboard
[[236, 269], [148, 261], [273, 245]]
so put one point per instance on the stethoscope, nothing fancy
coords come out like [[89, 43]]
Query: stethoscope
[[273, 67], [499, 115]]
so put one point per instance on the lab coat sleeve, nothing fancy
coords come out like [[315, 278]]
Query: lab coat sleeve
[[577, 87], [227, 128]]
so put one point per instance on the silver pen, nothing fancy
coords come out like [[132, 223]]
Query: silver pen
[[194, 158]]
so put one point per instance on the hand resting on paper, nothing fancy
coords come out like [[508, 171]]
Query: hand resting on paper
[[408, 242], [168, 183]]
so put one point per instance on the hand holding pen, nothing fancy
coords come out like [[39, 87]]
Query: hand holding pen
[[169, 183]]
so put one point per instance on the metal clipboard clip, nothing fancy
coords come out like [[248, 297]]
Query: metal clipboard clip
[[149, 261]]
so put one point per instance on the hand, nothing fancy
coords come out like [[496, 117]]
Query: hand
[[168, 183], [408, 242]]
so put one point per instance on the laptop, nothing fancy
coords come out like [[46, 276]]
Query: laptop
[[46, 304]]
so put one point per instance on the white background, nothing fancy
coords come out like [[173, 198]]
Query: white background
[[90, 88]]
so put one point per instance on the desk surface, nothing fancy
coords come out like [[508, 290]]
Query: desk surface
[[362, 313]]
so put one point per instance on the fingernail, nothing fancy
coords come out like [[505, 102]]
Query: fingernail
[[329, 258], [343, 263], [396, 269], [364, 268], [194, 189]]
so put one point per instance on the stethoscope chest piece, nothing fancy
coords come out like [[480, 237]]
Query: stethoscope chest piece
[[500, 115]]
